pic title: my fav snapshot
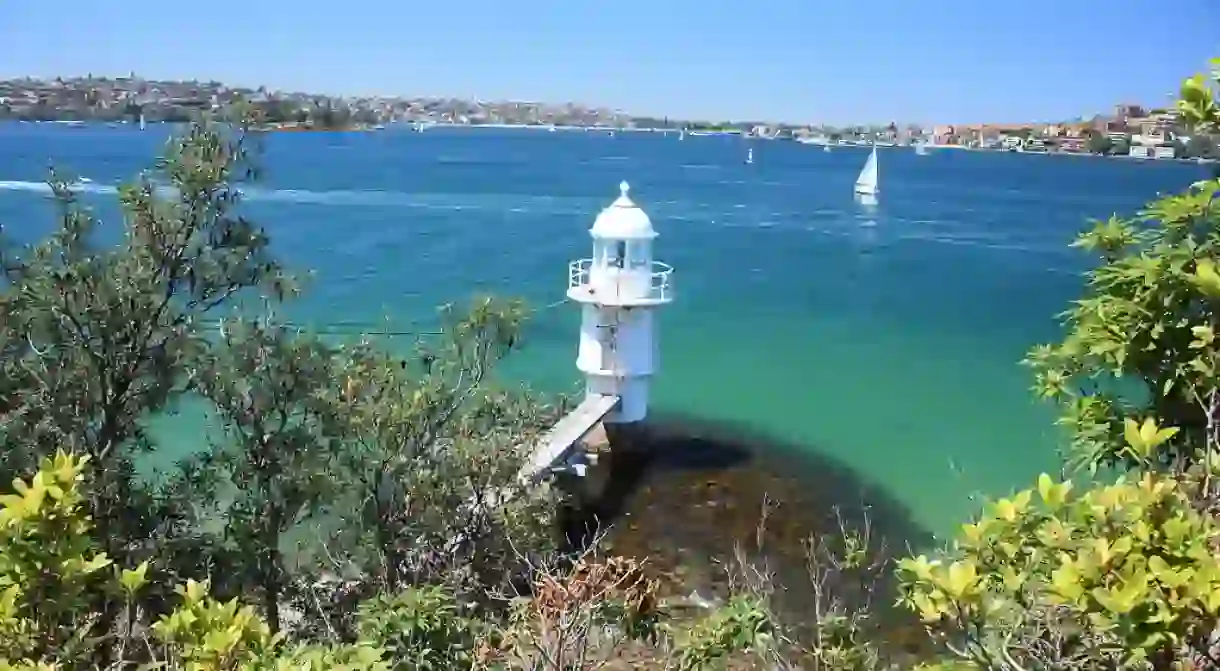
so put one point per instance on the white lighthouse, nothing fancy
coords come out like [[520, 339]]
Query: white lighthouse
[[619, 290]]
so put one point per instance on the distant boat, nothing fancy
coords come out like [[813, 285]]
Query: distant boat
[[866, 183], [749, 156], [922, 148], [826, 148], [682, 134]]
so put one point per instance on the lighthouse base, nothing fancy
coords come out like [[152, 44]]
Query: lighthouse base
[[632, 393]]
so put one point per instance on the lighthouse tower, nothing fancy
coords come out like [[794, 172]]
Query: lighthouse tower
[[619, 290]]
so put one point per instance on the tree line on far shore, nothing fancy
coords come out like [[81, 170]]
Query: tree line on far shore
[[1198, 146]]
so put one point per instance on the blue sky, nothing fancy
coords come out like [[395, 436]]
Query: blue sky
[[830, 61]]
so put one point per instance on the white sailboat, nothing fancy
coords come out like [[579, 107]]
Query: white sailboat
[[921, 148], [750, 155], [866, 183]]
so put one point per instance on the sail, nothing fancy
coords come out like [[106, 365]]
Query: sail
[[867, 181]]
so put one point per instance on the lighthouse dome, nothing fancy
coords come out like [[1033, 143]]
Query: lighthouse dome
[[623, 220]]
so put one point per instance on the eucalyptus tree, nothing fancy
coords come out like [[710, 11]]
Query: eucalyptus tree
[[98, 337], [430, 440], [269, 388]]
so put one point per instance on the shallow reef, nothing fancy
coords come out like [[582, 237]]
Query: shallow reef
[[685, 493]]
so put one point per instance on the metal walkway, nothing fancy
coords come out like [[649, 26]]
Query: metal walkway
[[557, 444]]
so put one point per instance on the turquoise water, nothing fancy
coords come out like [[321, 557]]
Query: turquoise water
[[886, 338]]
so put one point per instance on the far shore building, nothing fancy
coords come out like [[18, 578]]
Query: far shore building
[[1156, 135], [942, 134]]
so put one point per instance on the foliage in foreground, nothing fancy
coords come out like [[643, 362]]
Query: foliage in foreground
[[47, 560], [1117, 576], [1124, 575]]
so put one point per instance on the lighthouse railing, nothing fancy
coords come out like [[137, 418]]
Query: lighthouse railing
[[660, 279]]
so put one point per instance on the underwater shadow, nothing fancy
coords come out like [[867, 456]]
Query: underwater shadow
[[684, 492]]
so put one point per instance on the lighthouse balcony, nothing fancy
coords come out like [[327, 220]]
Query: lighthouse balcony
[[651, 284]]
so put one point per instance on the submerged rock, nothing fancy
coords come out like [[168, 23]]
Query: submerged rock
[[690, 496]]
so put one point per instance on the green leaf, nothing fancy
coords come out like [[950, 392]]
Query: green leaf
[[1122, 600], [134, 579], [960, 578], [1053, 494], [1066, 582], [1206, 279]]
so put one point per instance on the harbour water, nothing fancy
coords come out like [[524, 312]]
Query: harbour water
[[879, 344]]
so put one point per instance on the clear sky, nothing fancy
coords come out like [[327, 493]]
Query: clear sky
[[829, 61]]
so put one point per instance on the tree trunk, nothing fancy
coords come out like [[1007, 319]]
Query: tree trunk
[[272, 565], [386, 543]]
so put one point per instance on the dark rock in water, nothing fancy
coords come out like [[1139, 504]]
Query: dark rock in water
[[685, 493]]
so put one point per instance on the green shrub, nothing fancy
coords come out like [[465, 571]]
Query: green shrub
[[48, 567], [743, 625], [48, 564], [315, 657], [421, 628], [1119, 575], [1198, 100], [203, 633]]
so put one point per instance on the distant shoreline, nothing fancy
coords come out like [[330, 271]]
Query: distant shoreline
[[408, 126]]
